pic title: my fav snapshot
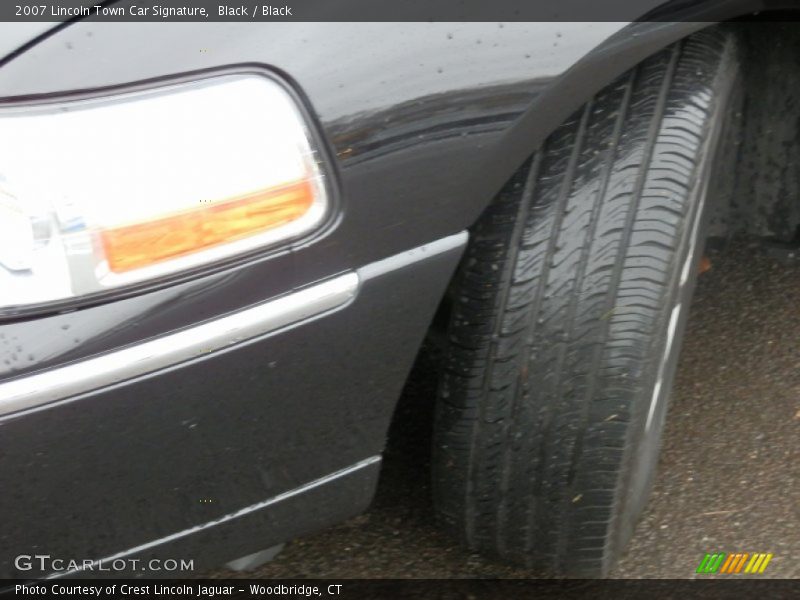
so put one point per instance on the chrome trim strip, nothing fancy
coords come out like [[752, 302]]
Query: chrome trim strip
[[61, 383], [409, 257], [230, 517], [101, 371]]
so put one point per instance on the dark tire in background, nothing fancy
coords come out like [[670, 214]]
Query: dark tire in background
[[568, 311]]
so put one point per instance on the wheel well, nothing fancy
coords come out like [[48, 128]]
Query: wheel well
[[761, 196]]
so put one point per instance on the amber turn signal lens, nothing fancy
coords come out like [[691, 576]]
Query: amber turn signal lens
[[143, 244]]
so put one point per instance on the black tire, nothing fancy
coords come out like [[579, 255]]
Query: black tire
[[567, 315]]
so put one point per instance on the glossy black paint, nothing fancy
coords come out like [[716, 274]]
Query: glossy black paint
[[425, 122], [117, 468]]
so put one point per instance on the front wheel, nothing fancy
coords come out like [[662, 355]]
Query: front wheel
[[568, 312]]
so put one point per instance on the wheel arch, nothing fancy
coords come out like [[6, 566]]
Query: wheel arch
[[668, 23]]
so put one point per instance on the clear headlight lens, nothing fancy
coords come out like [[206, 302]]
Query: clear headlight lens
[[103, 193]]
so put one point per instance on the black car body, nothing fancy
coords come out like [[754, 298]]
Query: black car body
[[216, 450]]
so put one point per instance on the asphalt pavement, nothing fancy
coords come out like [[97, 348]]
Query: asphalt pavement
[[729, 475]]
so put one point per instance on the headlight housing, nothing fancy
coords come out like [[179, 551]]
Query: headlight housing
[[104, 193]]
